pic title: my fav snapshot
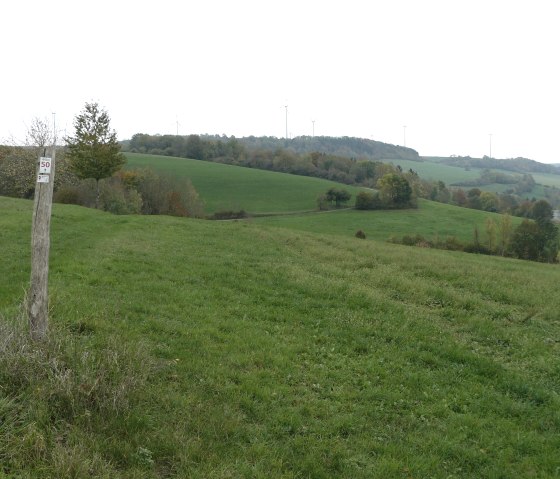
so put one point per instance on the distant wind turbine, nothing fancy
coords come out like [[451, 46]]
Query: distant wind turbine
[[286, 106]]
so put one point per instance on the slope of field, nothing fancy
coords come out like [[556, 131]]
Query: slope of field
[[431, 220], [547, 179], [274, 353], [227, 187], [431, 169]]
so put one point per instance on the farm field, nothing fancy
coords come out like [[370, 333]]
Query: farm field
[[547, 179], [433, 170], [200, 349], [270, 192], [228, 187], [431, 220]]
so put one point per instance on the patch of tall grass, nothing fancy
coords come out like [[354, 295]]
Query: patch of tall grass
[[60, 396]]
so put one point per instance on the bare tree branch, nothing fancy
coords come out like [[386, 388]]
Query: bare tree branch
[[39, 133]]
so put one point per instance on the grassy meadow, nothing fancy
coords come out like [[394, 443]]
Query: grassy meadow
[[431, 220], [432, 169], [190, 348], [228, 187]]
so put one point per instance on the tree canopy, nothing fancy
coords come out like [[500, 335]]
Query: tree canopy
[[93, 151], [395, 190]]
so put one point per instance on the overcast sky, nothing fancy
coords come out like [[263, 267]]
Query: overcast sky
[[452, 71]]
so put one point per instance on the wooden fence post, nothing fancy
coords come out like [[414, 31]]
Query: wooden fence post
[[38, 296]]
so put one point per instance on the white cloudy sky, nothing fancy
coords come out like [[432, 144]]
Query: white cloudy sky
[[452, 71]]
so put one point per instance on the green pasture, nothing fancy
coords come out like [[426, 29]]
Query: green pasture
[[228, 187], [431, 169], [431, 220], [547, 179], [190, 348], [434, 171]]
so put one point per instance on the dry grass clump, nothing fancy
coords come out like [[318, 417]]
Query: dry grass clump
[[57, 395]]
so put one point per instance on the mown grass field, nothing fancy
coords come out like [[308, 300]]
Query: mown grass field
[[431, 169], [434, 171], [431, 220], [227, 187], [190, 348], [547, 179]]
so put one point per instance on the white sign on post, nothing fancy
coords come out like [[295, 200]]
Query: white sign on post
[[45, 166], [42, 178]]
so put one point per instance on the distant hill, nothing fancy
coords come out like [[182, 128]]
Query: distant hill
[[207, 146], [204, 147], [348, 147], [518, 165]]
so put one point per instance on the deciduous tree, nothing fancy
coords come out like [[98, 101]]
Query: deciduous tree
[[536, 240], [504, 234], [338, 197], [394, 190], [542, 212]]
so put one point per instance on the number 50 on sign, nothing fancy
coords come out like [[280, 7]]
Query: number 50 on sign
[[45, 165]]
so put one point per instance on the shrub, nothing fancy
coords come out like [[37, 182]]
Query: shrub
[[477, 248], [408, 240], [117, 199], [82, 193], [360, 234], [69, 195], [229, 215], [165, 195], [323, 203], [452, 243], [17, 172], [366, 200]]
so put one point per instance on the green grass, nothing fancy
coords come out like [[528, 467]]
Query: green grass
[[433, 170], [228, 187], [262, 352], [547, 179], [431, 220]]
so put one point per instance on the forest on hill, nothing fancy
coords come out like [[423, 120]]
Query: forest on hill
[[349, 147], [206, 146]]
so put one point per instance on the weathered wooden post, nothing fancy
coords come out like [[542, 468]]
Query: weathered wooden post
[[38, 296]]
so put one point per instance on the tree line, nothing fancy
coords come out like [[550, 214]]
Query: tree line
[[205, 147], [342, 169], [513, 201]]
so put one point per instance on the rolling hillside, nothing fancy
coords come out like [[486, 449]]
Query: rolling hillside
[[227, 187], [190, 348], [434, 169], [431, 220]]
